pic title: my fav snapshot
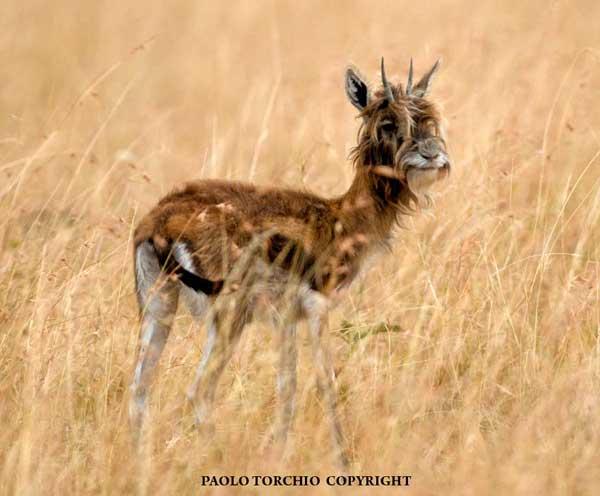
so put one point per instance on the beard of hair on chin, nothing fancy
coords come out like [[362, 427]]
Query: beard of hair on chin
[[420, 180]]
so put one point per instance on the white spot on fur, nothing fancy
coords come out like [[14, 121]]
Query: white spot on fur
[[226, 207], [196, 303], [183, 257]]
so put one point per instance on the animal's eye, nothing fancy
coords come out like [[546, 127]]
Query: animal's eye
[[389, 127]]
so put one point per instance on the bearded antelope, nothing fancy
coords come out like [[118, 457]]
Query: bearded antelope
[[231, 248]]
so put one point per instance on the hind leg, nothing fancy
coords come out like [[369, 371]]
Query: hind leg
[[157, 298], [196, 303]]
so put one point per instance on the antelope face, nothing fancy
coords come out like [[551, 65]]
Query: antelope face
[[401, 129]]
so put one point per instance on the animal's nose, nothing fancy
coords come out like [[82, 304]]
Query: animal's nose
[[429, 149], [430, 154]]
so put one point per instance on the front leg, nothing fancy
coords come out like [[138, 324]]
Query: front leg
[[286, 382], [317, 322]]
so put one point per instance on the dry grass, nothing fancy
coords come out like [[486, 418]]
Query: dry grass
[[486, 381]]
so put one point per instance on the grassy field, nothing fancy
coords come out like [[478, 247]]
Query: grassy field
[[469, 357]]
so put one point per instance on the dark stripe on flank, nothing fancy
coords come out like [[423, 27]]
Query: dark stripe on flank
[[170, 266], [197, 283]]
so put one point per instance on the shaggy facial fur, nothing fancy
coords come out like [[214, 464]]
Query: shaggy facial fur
[[401, 139]]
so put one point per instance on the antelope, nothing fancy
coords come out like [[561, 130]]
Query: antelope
[[234, 251]]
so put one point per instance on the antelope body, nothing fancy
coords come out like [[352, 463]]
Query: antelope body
[[232, 248]]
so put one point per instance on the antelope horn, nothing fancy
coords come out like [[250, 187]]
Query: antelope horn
[[389, 96], [410, 78]]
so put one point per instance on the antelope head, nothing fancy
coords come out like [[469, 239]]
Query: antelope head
[[401, 135]]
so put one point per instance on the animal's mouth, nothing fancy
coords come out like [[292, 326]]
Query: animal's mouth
[[402, 172], [443, 168], [427, 173]]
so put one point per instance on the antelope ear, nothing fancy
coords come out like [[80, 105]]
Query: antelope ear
[[356, 89], [422, 87]]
